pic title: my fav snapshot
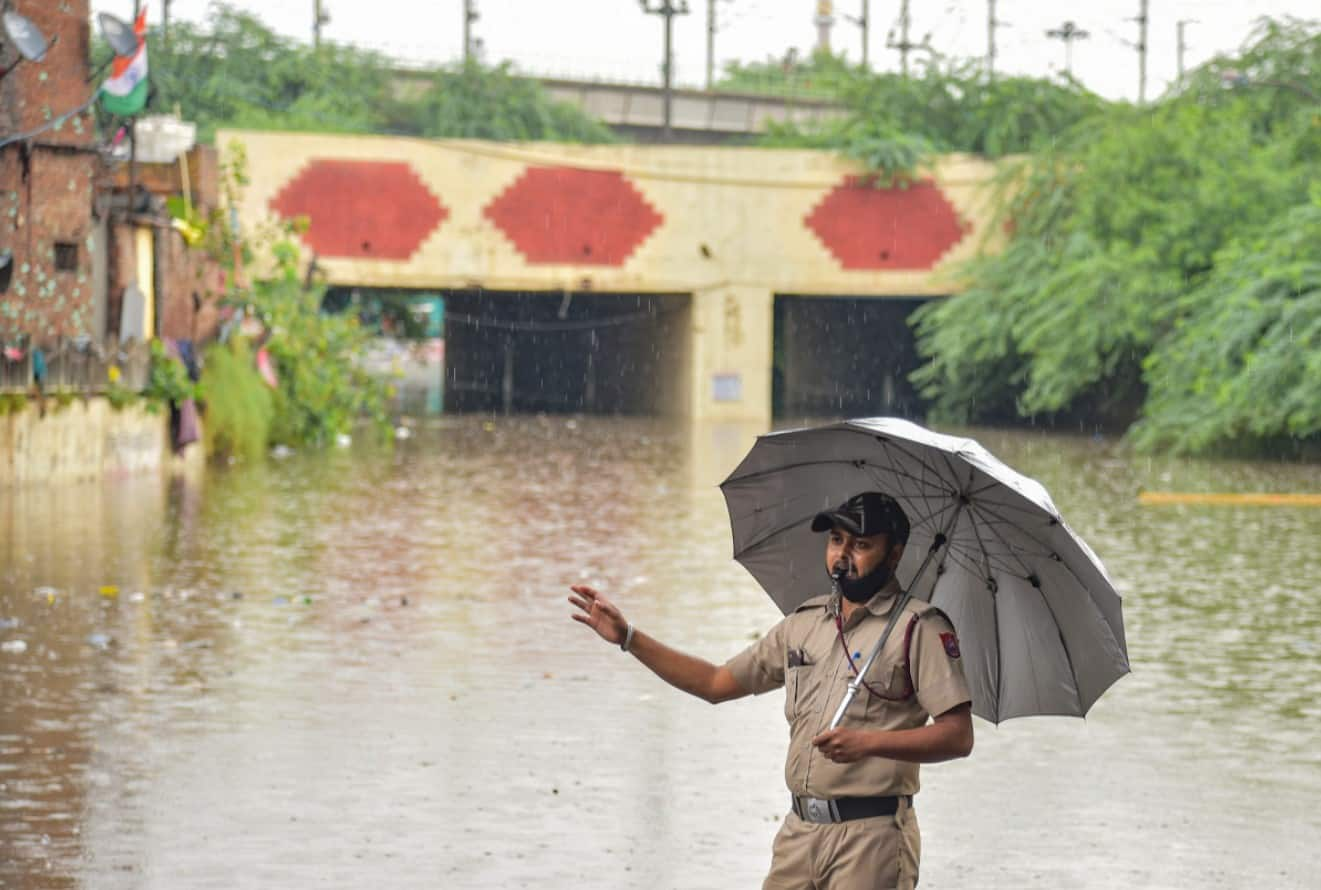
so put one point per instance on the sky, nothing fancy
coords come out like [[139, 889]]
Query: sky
[[615, 40]]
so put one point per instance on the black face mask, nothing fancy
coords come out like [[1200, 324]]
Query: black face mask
[[859, 590]]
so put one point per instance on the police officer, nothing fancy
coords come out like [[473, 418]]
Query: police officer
[[850, 822]]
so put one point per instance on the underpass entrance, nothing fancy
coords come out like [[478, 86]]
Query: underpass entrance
[[567, 352], [847, 356]]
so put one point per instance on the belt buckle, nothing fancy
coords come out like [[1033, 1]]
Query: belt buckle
[[819, 811]]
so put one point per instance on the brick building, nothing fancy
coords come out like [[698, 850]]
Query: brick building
[[49, 168], [78, 241]]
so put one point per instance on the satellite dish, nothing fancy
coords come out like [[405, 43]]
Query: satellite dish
[[25, 36], [118, 34]]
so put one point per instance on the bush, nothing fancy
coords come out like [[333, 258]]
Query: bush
[[240, 407]]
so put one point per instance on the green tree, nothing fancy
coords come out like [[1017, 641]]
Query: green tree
[[823, 75], [892, 124], [234, 71], [471, 101], [1119, 227], [1241, 371]]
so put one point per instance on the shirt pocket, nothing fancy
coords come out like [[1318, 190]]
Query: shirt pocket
[[803, 696], [893, 692]]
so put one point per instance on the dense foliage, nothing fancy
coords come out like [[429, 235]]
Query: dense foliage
[[233, 71], [321, 389], [894, 123], [239, 405], [1133, 234], [1241, 370]]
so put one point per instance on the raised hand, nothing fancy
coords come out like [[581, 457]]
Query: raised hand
[[598, 613]]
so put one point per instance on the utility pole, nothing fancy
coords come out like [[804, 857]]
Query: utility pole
[[1068, 32], [667, 9], [903, 44], [864, 23], [1183, 44], [825, 20], [165, 22], [1142, 52], [319, 18], [991, 25], [470, 15], [710, 44]]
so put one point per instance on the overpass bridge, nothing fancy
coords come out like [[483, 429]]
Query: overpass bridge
[[712, 283], [637, 111]]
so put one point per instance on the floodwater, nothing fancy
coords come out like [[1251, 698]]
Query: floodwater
[[357, 669]]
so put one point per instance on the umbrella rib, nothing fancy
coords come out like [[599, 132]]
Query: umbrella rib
[[992, 586], [951, 487], [1030, 509], [1040, 543], [942, 503], [962, 560], [1009, 548], [927, 517], [766, 538], [1068, 656], [892, 467]]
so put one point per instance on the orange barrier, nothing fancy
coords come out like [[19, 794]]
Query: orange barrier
[[1251, 499]]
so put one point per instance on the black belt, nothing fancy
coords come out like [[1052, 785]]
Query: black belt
[[845, 809]]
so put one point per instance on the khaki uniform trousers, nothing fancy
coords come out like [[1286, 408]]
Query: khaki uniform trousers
[[880, 853]]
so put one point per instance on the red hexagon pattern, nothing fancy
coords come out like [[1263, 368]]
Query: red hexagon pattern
[[380, 210], [569, 215], [865, 227]]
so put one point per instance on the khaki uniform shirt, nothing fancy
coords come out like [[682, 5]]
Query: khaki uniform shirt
[[803, 654]]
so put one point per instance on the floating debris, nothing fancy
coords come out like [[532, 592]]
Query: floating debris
[[14, 647]]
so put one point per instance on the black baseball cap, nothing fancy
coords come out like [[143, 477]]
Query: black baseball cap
[[867, 514]]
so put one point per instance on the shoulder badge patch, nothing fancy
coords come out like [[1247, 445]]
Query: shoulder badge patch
[[951, 643]]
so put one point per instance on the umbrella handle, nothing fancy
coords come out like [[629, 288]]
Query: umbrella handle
[[856, 683]]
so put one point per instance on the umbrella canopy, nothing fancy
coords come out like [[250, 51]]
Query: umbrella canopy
[[1039, 621]]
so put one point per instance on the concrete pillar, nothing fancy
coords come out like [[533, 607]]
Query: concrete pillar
[[733, 333]]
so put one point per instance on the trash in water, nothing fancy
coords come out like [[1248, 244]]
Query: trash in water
[[99, 641], [14, 647], [402, 432], [8, 623], [136, 596], [280, 452], [109, 591], [343, 440], [280, 601]]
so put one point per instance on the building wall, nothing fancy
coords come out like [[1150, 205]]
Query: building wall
[[86, 439], [48, 183], [730, 226]]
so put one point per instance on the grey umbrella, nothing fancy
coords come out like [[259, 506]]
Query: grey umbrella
[[1039, 621]]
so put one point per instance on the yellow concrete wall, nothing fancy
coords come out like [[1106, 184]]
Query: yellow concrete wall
[[733, 234], [86, 439]]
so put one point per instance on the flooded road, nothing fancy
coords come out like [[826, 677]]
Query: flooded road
[[357, 669]]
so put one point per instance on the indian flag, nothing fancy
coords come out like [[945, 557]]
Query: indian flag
[[125, 92]]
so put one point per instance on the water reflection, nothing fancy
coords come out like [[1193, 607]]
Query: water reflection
[[344, 666]]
